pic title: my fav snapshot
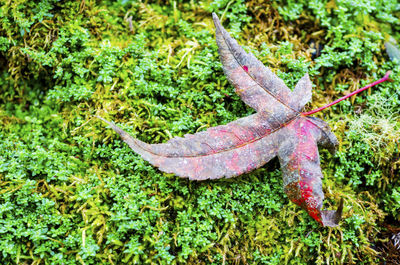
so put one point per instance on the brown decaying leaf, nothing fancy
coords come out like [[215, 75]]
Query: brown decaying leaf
[[277, 129]]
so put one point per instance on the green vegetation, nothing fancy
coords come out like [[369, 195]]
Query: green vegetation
[[71, 192]]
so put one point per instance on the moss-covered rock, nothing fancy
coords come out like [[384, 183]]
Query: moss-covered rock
[[73, 192]]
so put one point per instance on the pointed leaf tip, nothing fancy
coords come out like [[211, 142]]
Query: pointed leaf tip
[[332, 218], [217, 23], [215, 17]]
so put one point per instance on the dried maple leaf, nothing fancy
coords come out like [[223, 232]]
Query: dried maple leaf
[[277, 129]]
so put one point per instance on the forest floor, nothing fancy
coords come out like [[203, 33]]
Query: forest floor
[[72, 192]]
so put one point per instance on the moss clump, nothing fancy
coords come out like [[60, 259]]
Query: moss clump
[[73, 192]]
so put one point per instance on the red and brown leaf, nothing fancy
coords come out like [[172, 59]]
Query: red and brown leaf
[[277, 129]]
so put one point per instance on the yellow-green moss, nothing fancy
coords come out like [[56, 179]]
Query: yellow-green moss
[[72, 192]]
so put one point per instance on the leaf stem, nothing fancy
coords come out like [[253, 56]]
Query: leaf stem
[[383, 79]]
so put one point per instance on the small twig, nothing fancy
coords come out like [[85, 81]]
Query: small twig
[[385, 78]]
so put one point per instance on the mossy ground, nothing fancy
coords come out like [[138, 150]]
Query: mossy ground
[[73, 193]]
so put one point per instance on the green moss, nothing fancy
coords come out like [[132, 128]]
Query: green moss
[[73, 192]]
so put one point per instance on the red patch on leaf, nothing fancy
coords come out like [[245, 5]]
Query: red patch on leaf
[[245, 68]]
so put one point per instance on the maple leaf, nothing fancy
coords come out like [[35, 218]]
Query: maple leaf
[[277, 129]]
